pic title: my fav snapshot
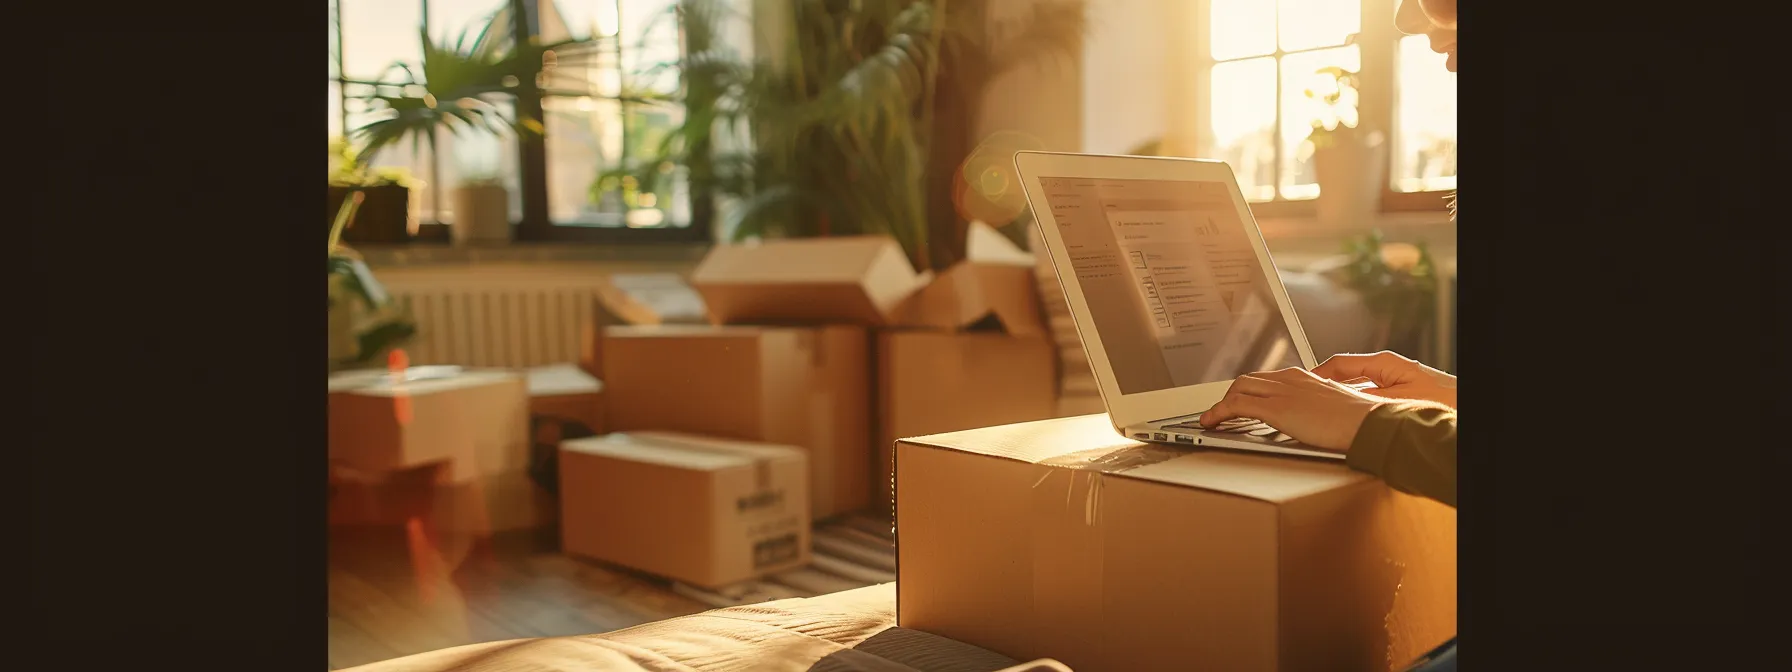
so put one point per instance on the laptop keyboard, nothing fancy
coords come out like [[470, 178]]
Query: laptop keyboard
[[1246, 426]]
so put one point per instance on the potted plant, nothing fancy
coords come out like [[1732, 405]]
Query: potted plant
[[457, 87], [833, 130], [1347, 157], [365, 323], [384, 212], [1398, 283]]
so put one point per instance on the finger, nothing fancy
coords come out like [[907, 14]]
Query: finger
[[1242, 406], [1378, 367], [1293, 374], [1255, 386]]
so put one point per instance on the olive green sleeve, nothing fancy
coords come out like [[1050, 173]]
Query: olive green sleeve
[[1412, 446]]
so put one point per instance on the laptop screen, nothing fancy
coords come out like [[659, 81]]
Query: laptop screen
[[1173, 284]]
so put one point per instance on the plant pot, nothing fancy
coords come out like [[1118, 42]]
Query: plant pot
[[384, 217], [1351, 170], [481, 215]]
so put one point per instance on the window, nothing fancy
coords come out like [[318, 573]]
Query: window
[[553, 179], [1264, 54]]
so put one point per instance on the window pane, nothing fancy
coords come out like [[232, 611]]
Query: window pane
[[584, 138], [410, 156], [564, 19], [375, 33], [1308, 24], [477, 154], [1243, 113], [1299, 74], [449, 19], [1242, 28], [1424, 119], [335, 110], [649, 36]]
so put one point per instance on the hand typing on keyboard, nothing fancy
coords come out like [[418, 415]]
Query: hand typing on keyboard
[[1318, 412]]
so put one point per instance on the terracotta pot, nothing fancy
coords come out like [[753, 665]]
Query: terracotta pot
[[481, 215]]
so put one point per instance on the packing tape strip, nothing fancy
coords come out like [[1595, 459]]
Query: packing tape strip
[[1068, 541]]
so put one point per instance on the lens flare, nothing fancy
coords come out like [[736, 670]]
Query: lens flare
[[985, 187]]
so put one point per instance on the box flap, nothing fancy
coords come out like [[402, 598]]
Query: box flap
[[558, 379], [651, 298], [983, 244], [1090, 443], [415, 380], [681, 451], [995, 280], [847, 279]]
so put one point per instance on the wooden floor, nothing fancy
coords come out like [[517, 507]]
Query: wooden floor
[[391, 594], [395, 592]]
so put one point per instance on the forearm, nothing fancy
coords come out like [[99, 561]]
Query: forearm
[[1412, 446]]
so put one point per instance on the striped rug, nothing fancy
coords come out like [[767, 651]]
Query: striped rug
[[850, 552]]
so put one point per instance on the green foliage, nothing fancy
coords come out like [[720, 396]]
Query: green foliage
[[458, 83], [391, 325], [1398, 283], [829, 133]]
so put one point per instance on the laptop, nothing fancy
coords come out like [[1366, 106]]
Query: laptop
[[1171, 288]]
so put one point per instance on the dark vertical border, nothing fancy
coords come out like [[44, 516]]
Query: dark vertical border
[[175, 335], [1619, 267]]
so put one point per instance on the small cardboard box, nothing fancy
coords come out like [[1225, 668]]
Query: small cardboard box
[[566, 392], [706, 511], [807, 387], [930, 382], [477, 421], [861, 280], [500, 503], [1061, 538]]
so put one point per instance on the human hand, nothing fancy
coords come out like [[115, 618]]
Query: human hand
[[1315, 411], [1395, 376]]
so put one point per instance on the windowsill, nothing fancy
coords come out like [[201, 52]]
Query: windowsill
[[1298, 242], [423, 254]]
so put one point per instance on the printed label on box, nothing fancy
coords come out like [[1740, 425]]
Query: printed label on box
[[776, 550]]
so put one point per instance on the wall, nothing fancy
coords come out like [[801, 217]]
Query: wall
[[1125, 64]]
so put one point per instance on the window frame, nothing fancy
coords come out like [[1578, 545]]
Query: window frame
[[536, 225], [1378, 43]]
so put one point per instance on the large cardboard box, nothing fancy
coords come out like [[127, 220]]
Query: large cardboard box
[[863, 280], [476, 421], [807, 387], [930, 382], [490, 504], [705, 511], [1060, 538]]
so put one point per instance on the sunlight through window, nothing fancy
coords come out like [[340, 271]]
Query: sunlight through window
[[1425, 120]]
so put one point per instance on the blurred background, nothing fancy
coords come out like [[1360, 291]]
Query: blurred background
[[531, 187]]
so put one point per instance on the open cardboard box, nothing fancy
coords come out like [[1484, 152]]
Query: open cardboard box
[[861, 280]]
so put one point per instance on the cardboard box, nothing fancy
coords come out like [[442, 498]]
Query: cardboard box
[[637, 298], [567, 392], [1060, 538], [994, 285], [500, 503], [935, 381], [476, 421], [807, 387], [706, 511], [861, 280]]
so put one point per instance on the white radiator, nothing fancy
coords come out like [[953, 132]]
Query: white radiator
[[497, 319]]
